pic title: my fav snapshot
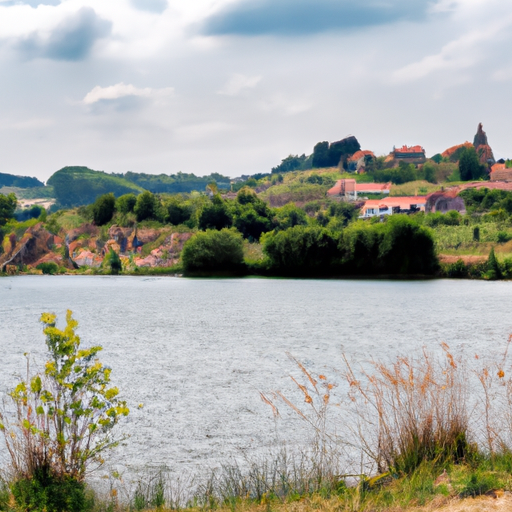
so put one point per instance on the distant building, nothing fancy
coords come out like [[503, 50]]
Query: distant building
[[411, 154], [392, 205], [500, 172], [357, 162], [349, 189]]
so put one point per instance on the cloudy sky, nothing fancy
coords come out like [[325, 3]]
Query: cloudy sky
[[234, 86]]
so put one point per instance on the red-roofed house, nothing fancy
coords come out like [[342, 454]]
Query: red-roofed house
[[500, 172], [357, 161], [413, 154], [391, 205]]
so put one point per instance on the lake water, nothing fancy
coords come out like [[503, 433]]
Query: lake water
[[197, 352]]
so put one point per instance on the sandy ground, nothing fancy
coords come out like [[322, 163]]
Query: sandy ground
[[500, 503]]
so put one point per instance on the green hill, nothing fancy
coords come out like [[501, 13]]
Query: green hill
[[76, 186], [175, 183], [10, 180]]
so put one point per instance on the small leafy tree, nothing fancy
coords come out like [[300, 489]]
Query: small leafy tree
[[213, 251], [103, 209], [114, 262], [62, 422]]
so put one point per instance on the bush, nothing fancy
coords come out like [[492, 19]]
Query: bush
[[300, 250], [146, 206], [503, 237], [215, 215], [126, 203], [213, 251], [48, 493], [422, 408], [457, 269], [103, 209], [49, 267], [62, 424]]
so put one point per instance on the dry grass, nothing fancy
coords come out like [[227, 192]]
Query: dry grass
[[414, 188]]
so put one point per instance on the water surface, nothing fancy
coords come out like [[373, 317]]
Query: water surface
[[197, 352]]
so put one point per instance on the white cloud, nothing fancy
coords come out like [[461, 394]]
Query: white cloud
[[238, 83], [121, 90], [462, 53]]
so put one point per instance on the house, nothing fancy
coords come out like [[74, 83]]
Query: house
[[410, 154], [500, 172], [391, 205], [356, 163], [349, 189], [344, 189], [373, 188]]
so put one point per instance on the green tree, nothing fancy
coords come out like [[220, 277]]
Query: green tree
[[146, 206], [103, 209], [215, 215], [321, 155], [300, 250], [126, 203], [212, 251], [469, 165], [63, 420], [114, 262], [8, 205], [178, 212], [289, 216], [493, 267]]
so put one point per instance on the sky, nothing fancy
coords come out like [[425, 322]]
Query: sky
[[235, 86]]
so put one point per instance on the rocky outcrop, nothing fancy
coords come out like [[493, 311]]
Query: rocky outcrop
[[167, 254], [445, 201], [482, 147], [35, 243], [453, 153]]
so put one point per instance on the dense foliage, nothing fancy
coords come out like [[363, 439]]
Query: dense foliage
[[175, 183], [103, 209], [484, 199], [7, 207], [10, 180], [75, 186], [397, 246], [469, 165], [212, 251]]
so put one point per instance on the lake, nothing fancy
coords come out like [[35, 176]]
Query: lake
[[197, 352]]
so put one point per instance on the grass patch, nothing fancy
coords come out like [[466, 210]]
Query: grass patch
[[414, 188]]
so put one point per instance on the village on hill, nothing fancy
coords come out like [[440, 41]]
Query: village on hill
[[149, 218]]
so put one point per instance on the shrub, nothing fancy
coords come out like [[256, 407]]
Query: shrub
[[503, 237], [103, 209], [126, 203], [48, 267], [146, 206], [457, 269], [215, 215], [422, 409], [213, 251], [63, 420], [300, 250]]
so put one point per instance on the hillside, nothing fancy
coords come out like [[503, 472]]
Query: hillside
[[175, 183], [11, 180], [75, 186]]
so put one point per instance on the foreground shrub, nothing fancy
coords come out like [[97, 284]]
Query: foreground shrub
[[48, 267], [44, 491], [61, 424], [213, 251], [422, 409]]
